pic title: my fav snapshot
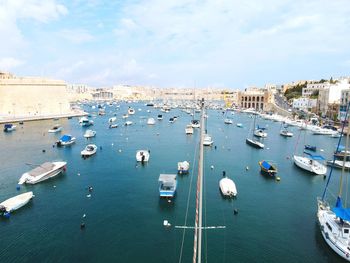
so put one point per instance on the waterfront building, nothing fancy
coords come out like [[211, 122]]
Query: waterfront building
[[255, 98], [313, 87], [102, 94], [32, 97], [304, 103]]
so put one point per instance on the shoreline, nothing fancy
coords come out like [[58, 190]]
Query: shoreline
[[40, 118]]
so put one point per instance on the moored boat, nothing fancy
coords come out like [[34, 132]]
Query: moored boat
[[310, 147], [8, 127], [167, 185], [254, 143], [89, 150], [195, 124], [286, 133], [183, 167], [89, 134], [15, 202], [207, 141], [228, 187], [259, 132], [142, 156], [189, 129], [55, 128], [311, 164], [151, 121], [42, 172], [65, 140], [228, 121], [268, 167]]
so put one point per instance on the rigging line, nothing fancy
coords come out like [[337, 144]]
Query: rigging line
[[296, 145], [342, 132], [205, 217], [188, 198], [344, 159]]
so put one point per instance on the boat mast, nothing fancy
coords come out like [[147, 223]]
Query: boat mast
[[344, 159], [197, 247]]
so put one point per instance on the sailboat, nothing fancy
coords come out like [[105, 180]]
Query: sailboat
[[253, 142], [335, 222]]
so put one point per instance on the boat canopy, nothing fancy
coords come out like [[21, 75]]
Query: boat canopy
[[266, 165], [343, 213], [315, 157], [41, 169], [8, 126], [66, 138], [260, 128], [167, 178]]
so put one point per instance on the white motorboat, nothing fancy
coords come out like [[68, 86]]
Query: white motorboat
[[131, 111], [189, 129], [55, 128], [228, 187], [142, 156], [128, 123], [151, 121], [195, 124], [323, 131], [112, 126], [207, 141], [167, 185], [286, 133], [183, 167], [228, 121], [112, 119], [125, 116], [89, 150], [310, 164], [85, 122], [15, 202], [89, 134], [339, 164], [65, 140], [42, 172], [9, 127], [239, 125], [160, 117], [260, 133]]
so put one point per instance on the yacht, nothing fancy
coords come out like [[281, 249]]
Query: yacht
[[15, 203], [142, 156], [89, 150], [167, 185], [208, 140], [55, 128], [228, 187], [42, 172], [131, 111], [89, 134], [183, 167], [151, 121], [9, 127], [66, 140], [260, 133], [189, 129], [311, 164]]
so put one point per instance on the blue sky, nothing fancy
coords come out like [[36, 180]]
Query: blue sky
[[182, 43]]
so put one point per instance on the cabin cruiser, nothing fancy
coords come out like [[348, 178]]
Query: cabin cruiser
[[142, 156], [9, 127], [189, 129], [286, 133], [160, 117], [195, 124], [167, 185], [89, 134], [207, 140], [55, 128], [151, 121], [228, 187], [89, 150], [311, 164], [228, 121], [183, 167], [15, 203], [65, 140], [112, 119], [42, 172], [85, 122], [131, 111], [260, 133], [128, 123]]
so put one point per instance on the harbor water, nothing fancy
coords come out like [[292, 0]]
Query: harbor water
[[123, 214]]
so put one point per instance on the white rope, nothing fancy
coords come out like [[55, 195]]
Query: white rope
[[188, 200]]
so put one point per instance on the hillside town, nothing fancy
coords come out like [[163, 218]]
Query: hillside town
[[34, 97]]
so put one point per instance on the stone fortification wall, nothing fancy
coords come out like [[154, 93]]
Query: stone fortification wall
[[20, 97]]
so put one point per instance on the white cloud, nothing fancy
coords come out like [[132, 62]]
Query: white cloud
[[76, 36], [9, 63]]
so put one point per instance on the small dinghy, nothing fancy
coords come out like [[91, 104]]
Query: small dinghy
[[183, 167], [56, 128], [228, 187], [89, 150], [90, 134], [142, 156], [15, 202]]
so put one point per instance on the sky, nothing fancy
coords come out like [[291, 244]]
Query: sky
[[181, 43]]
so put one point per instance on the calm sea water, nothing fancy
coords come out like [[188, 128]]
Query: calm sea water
[[124, 215]]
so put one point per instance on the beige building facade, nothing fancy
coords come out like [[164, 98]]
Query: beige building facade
[[32, 97], [255, 98]]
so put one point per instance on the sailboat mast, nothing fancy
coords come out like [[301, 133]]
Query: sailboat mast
[[197, 247], [344, 159]]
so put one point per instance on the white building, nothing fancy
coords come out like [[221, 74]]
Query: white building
[[304, 103], [312, 87], [344, 102]]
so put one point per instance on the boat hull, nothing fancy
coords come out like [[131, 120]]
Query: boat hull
[[255, 144], [305, 164], [28, 179], [17, 202]]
